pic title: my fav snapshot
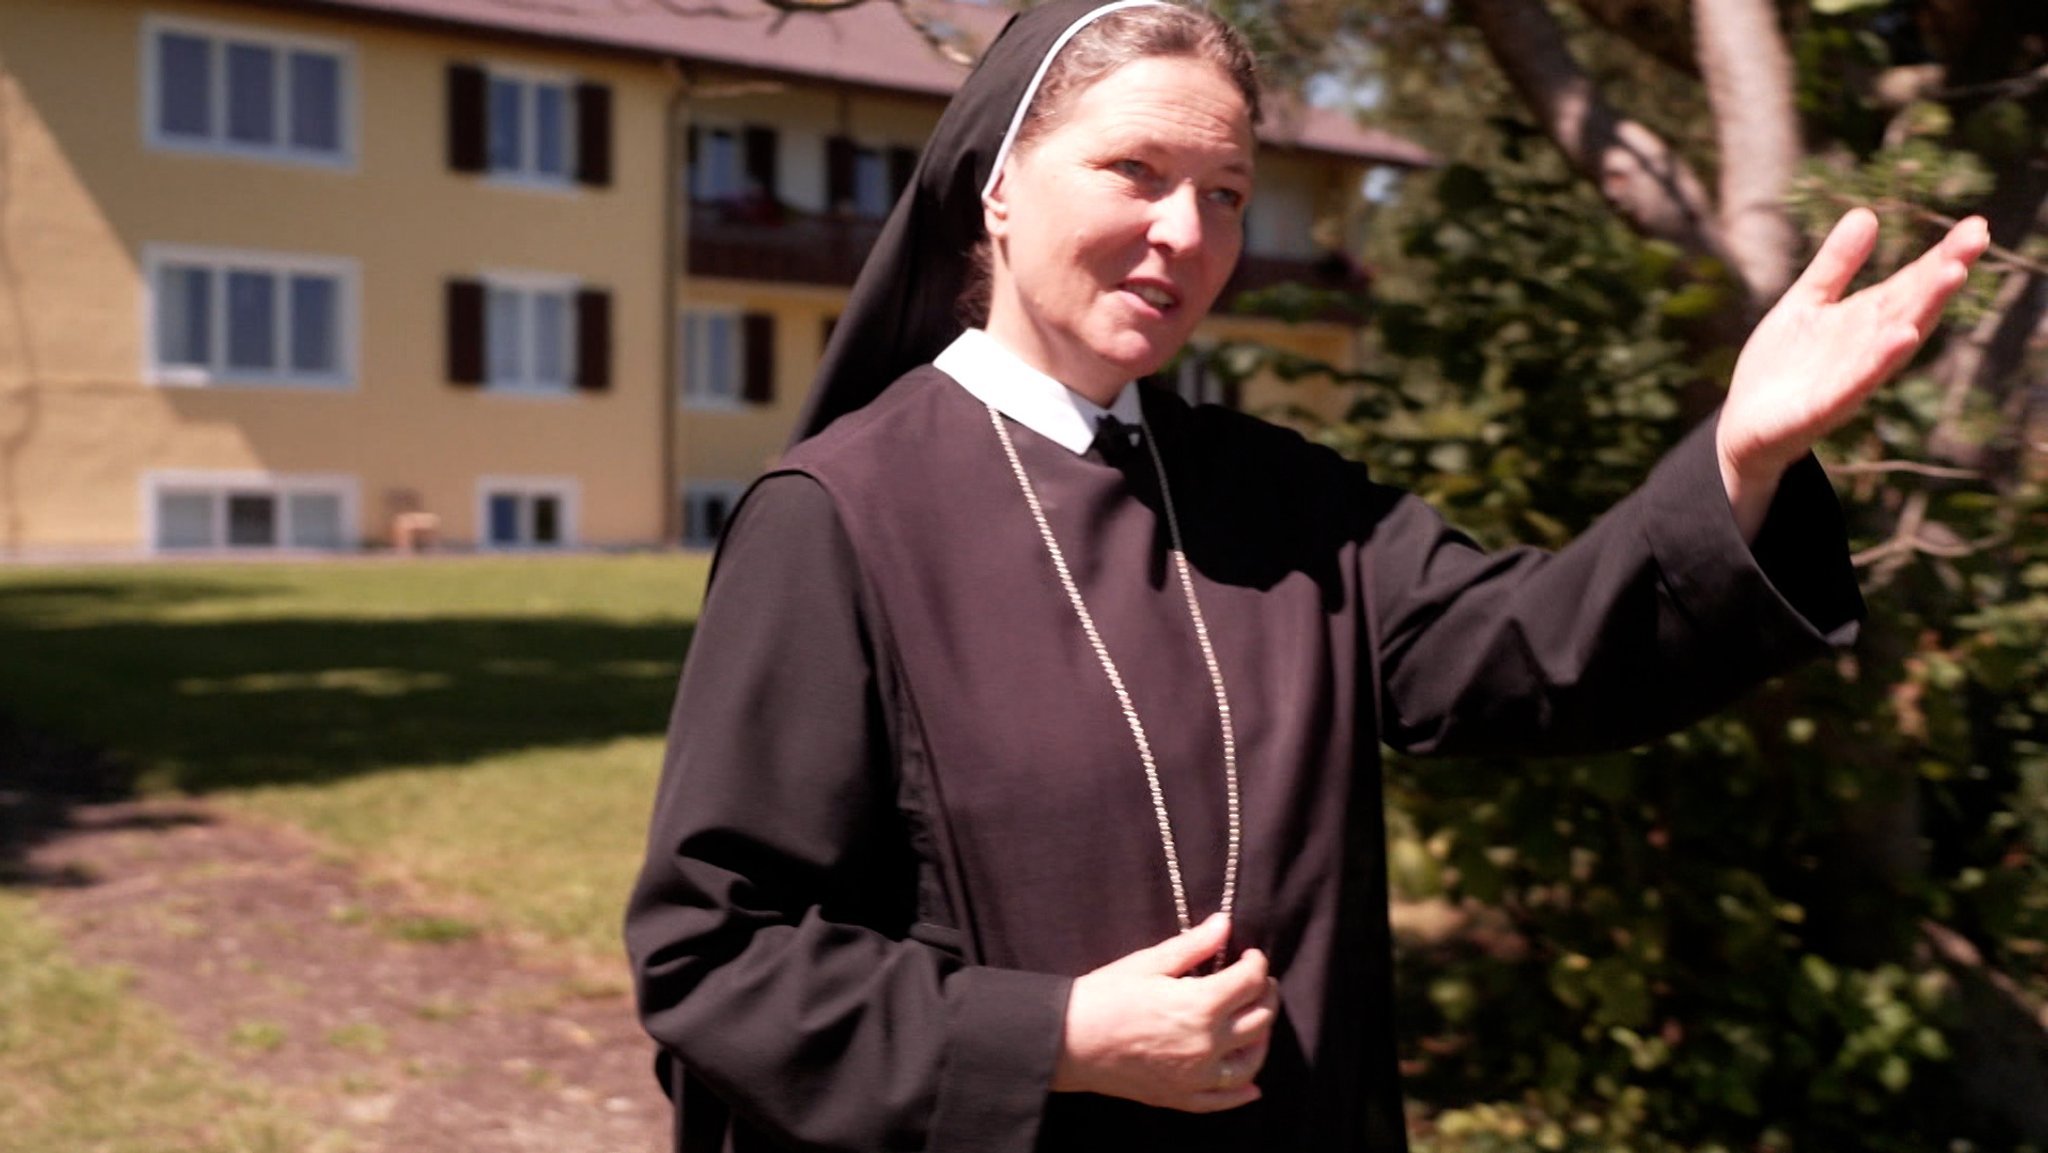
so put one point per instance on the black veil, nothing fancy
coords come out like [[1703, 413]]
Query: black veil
[[902, 311]]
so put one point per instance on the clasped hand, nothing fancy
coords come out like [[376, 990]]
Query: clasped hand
[[1141, 1027]]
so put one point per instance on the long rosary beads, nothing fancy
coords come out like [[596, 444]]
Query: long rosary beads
[[1116, 680]]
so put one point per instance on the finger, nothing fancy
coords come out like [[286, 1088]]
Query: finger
[[1848, 245], [1918, 292], [1238, 986], [1968, 240], [1257, 1018], [1218, 1100], [1180, 954], [1251, 1027], [1243, 1062]]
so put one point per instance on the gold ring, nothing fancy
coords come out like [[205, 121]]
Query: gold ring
[[1223, 1074]]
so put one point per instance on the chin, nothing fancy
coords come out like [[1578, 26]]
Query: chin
[[1135, 355]]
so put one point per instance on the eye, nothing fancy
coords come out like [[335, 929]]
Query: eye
[[1229, 198], [1131, 167]]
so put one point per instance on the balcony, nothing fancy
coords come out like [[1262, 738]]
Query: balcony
[[741, 240]]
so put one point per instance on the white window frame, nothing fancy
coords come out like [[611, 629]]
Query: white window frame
[[697, 492], [221, 261], [528, 284], [220, 484], [527, 175], [216, 143], [693, 361], [568, 494]]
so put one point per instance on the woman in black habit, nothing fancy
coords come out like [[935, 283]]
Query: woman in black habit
[[1022, 787]]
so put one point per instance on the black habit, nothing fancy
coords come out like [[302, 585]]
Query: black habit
[[901, 809]]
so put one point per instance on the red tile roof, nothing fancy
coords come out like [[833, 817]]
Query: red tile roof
[[871, 45]]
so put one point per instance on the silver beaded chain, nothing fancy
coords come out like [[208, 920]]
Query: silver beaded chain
[[1116, 680]]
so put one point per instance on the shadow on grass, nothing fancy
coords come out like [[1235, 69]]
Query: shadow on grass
[[52, 602], [233, 704]]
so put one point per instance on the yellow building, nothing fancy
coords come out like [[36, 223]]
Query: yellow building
[[324, 275]]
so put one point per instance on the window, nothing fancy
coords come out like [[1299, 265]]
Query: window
[[530, 129], [241, 92], [710, 357], [729, 165], [530, 340], [519, 332], [716, 174], [216, 317], [213, 511], [520, 513], [707, 507], [727, 358], [526, 128], [864, 180], [870, 182]]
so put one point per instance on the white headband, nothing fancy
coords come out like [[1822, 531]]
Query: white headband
[[1031, 90]]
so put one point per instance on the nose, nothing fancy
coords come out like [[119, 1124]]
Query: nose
[[1177, 220]]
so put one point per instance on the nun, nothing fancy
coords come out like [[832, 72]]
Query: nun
[[1022, 789]]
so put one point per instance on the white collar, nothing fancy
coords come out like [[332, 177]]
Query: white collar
[[999, 378]]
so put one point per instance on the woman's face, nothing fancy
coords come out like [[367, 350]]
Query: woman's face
[[1114, 231]]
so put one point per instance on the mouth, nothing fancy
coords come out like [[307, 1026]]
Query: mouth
[[1160, 297]]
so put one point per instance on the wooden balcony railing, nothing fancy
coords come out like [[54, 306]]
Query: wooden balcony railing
[[739, 241], [766, 241]]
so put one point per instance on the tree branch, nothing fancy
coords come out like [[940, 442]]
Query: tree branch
[[1748, 75], [1639, 174], [1649, 26], [1995, 254], [2004, 1038], [1858, 468]]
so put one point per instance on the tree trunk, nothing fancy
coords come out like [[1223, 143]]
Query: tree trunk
[[1639, 174], [1748, 74]]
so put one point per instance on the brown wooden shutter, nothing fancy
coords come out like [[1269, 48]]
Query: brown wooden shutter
[[758, 341], [468, 119], [594, 135], [838, 172], [902, 166], [760, 153], [690, 181], [593, 340], [466, 332]]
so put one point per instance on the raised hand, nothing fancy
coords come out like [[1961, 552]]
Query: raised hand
[[1141, 1028], [1817, 355]]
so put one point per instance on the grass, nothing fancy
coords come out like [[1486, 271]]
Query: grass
[[484, 731], [86, 1066]]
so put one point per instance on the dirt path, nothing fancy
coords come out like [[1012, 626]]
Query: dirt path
[[284, 966]]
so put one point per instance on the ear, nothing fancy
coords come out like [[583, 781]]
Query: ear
[[995, 209]]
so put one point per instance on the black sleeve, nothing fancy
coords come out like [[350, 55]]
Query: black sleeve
[[1658, 615], [764, 927]]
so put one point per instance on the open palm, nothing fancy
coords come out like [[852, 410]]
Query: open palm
[[1809, 365]]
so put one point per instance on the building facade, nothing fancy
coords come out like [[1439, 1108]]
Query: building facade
[[322, 276]]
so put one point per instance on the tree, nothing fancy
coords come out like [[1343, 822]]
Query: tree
[[1814, 922]]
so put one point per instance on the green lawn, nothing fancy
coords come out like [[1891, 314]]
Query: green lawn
[[485, 729]]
